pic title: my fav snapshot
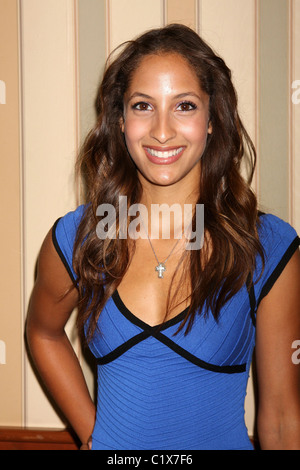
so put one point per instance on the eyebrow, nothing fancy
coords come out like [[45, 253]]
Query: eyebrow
[[179, 96]]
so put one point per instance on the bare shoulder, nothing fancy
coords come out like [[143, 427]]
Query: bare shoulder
[[283, 301], [278, 326], [50, 269], [54, 295]]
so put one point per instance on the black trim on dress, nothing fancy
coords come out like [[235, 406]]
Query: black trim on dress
[[111, 356], [60, 253], [229, 369], [137, 321], [279, 268], [252, 300], [155, 331]]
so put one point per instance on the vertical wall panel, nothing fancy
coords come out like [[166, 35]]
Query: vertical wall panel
[[295, 110], [11, 339], [274, 105], [49, 89], [127, 19], [230, 28], [181, 12], [91, 46]]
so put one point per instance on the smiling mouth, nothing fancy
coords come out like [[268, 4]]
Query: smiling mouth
[[164, 154]]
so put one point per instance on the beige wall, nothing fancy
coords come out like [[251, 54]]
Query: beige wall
[[91, 39], [54, 53], [294, 140], [50, 139], [234, 37], [274, 100], [177, 11], [11, 390]]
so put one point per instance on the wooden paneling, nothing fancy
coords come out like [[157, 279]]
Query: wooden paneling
[[37, 439]]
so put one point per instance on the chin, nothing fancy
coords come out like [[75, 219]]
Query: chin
[[164, 182]]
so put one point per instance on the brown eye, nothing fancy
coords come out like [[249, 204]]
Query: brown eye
[[186, 106], [141, 106]]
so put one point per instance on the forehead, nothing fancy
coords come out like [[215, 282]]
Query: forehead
[[170, 69]]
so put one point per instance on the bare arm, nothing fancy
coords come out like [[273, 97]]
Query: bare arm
[[278, 326], [48, 313]]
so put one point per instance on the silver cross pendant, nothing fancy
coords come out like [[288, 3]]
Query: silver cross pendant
[[160, 268]]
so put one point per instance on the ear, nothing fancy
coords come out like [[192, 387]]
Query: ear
[[209, 129], [121, 122]]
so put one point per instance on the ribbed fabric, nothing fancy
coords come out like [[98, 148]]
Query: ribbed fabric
[[160, 391]]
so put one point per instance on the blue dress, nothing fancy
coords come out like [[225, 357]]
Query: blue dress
[[157, 391]]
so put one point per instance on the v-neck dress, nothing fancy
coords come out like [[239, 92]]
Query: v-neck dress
[[157, 390]]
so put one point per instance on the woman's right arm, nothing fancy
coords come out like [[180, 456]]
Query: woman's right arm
[[52, 302]]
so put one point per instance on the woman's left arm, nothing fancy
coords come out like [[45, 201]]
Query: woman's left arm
[[278, 326]]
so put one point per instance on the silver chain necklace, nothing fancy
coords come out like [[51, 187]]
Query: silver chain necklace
[[161, 265]]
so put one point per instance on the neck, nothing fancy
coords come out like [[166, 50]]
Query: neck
[[169, 210], [173, 194]]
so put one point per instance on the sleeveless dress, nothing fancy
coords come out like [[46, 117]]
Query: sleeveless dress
[[160, 391]]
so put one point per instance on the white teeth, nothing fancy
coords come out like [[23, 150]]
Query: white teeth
[[159, 154]]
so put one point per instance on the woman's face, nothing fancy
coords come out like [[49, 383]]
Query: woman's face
[[166, 120]]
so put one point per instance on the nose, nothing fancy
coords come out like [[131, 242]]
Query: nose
[[163, 128]]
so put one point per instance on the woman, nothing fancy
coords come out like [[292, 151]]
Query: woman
[[172, 329]]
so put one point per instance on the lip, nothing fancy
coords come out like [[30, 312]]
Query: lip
[[161, 160]]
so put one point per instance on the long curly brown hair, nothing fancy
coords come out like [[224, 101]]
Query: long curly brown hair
[[230, 206]]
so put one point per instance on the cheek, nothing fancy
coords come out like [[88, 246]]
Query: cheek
[[134, 130], [196, 132]]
